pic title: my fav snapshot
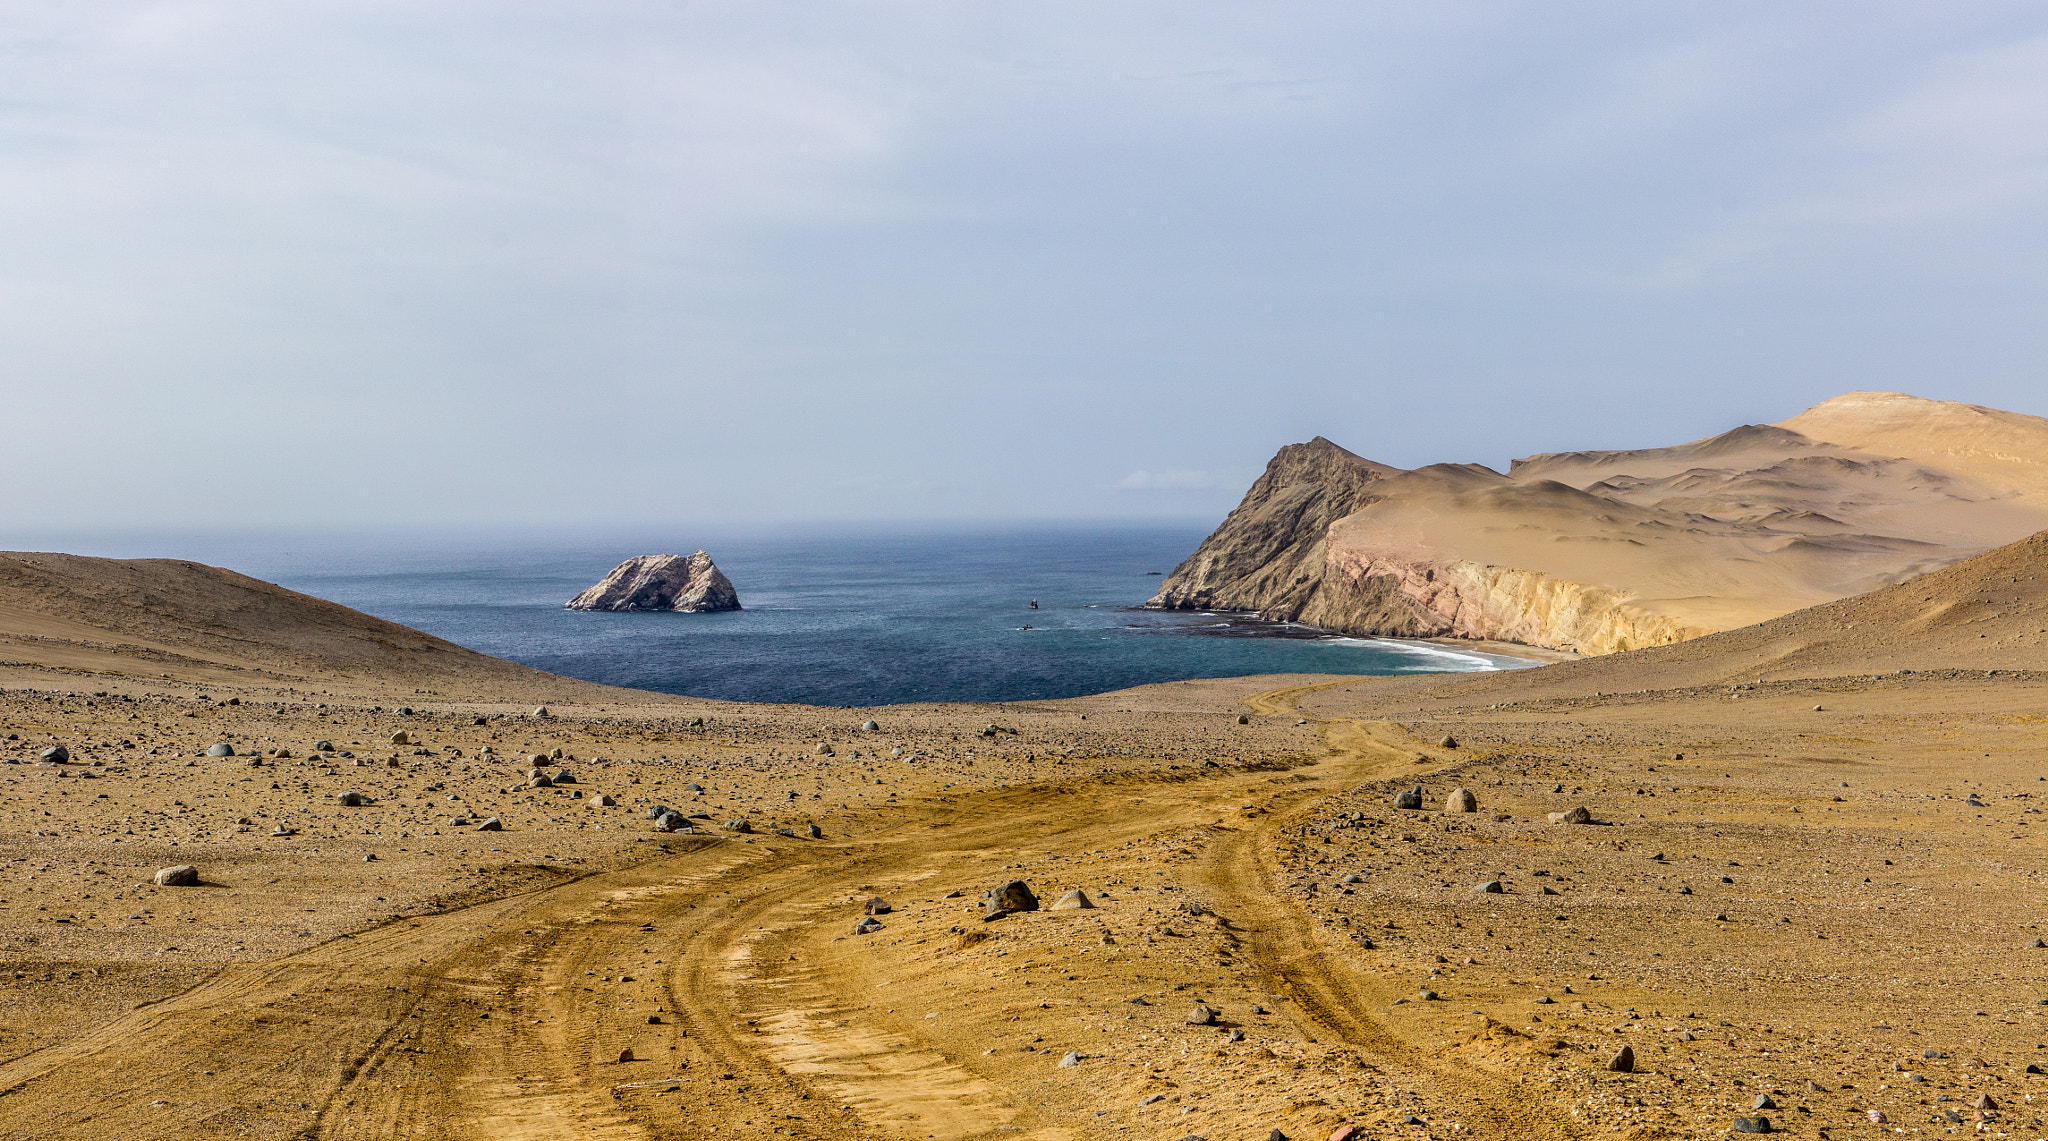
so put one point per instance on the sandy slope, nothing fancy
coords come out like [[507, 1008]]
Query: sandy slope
[[1604, 551], [1780, 895]]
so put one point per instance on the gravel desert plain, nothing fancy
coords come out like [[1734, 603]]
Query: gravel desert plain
[[1805, 897]]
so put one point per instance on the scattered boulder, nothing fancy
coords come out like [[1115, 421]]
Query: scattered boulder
[[688, 583], [1409, 800], [1763, 1101], [738, 824], [1461, 800], [563, 776], [1752, 1125], [1073, 1058], [221, 750], [822, 749], [1984, 1103], [541, 711], [626, 1055], [1449, 742], [1014, 896], [877, 906], [670, 822], [1573, 815], [401, 738], [1072, 900], [1623, 1062], [603, 800], [867, 926], [870, 727], [539, 780], [54, 755], [1202, 1015], [492, 825], [183, 875], [1490, 887], [1353, 877], [657, 811], [352, 800]]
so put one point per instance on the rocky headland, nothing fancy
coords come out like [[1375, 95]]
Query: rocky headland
[[1599, 552], [661, 582]]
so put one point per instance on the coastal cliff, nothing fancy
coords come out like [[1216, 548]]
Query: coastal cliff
[[1269, 554], [1606, 551], [661, 582]]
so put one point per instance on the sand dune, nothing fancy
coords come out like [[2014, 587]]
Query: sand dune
[[1606, 551], [185, 620]]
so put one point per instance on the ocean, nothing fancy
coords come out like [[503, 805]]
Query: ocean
[[842, 617]]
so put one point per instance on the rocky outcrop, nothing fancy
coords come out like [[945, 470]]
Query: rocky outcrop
[[661, 582], [1268, 555]]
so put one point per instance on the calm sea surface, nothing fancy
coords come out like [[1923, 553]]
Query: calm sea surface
[[844, 618]]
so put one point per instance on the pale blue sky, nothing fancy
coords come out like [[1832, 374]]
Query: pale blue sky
[[536, 263]]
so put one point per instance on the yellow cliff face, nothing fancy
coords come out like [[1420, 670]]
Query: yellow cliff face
[[1457, 599]]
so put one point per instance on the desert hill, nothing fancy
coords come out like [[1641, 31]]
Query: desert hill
[[1605, 551], [204, 623], [1986, 613]]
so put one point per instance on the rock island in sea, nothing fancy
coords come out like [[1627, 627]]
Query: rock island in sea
[[661, 582]]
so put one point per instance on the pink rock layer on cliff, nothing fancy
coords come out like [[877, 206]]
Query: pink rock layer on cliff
[[661, 582]]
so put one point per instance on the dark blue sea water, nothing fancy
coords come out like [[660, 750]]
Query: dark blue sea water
[[833, 618]]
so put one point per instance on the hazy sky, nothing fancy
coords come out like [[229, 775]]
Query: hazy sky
[[535, 263]]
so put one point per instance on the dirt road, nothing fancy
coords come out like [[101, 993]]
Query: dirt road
[[720, 989]]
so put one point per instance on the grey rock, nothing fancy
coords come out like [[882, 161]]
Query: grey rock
[[563, 777], [1461, 800], [1752, 1125], [1073, 1058], [183, 875], [539, 780], [1490, 887], [1575, 815], [1409, 800], [492, 825], [670, 822], [1624, 1061], [323, 746], [352, 800], [1544, 1000], [1763, 1101], [2037, 943], [870, 727], [54, 755], [693, 786], [738, 824], [867, 926], [1815, 1087], [1448, 742], [661, 582], [877, 906], [1072, 900], [1952, 1117], [221, 750], [1984, 1103], [1152, 1099], [1354, 877], [815, 832], [657, 811], [1237, 1035], [1426, 995], [1202, 1015]]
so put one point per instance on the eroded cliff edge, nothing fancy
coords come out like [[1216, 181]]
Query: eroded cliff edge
[[1600, 552]]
